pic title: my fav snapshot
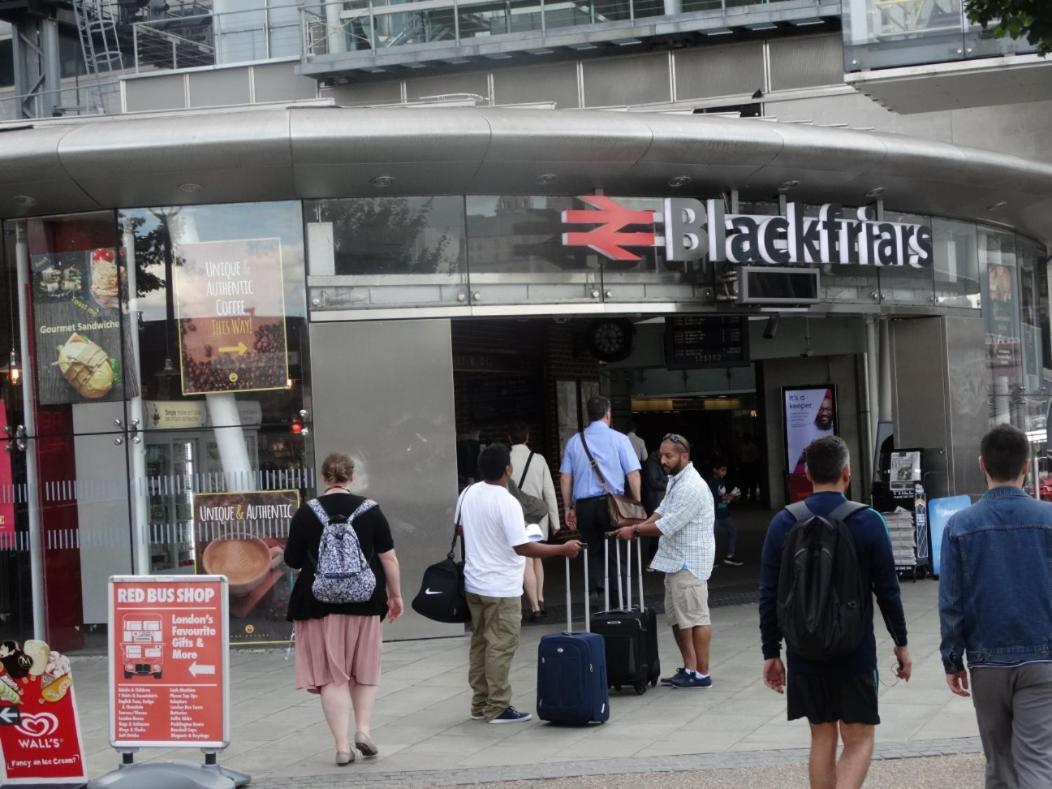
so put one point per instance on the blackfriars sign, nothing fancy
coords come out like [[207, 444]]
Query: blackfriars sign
[[696, 230]]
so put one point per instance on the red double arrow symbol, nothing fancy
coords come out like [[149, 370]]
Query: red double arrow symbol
[[610, 238]]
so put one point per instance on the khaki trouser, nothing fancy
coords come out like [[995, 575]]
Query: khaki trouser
[[496, 622]]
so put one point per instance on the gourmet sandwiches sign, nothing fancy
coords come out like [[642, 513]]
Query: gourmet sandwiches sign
[[691, 230]]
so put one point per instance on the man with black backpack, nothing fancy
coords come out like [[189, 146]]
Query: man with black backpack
[[823, 560]]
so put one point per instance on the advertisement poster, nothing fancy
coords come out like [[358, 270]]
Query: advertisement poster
[[77, 319], [810, 413], [230, 303], [905, 470], [40, 740], [168, 669], [1002, 322], [7, 490], [242, 536]]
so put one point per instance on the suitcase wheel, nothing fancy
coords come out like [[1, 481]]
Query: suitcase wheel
[[641, 688], [617, 688], [653, 683]]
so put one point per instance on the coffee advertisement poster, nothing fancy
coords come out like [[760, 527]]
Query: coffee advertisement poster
[[230, 305], [242, 535], [77, 320]]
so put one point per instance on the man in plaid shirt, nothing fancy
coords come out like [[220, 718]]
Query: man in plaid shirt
[[686, 550]]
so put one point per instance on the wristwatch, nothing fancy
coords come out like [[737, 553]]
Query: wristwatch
[[635, 530]]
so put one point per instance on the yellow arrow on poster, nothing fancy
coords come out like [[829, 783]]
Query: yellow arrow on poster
[[240, 349]]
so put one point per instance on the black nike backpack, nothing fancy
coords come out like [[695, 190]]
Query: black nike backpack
[[820, 592]]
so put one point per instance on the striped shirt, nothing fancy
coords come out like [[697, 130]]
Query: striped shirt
[[686, 525]]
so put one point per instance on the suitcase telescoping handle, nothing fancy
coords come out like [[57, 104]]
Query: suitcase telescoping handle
[[627, 583], [569, 595]]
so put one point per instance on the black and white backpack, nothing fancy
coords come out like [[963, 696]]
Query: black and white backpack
[[341, 573]]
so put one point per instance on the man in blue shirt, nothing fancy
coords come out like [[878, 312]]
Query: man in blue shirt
[[583, 492], [839, 696], [995, 604]]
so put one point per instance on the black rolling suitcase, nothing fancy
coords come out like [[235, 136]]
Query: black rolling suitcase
[[625, 632], [650, 621]]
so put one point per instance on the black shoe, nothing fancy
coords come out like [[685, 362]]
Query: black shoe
[[533, 616]]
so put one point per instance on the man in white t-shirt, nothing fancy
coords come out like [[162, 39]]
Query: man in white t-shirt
[[495, 547]]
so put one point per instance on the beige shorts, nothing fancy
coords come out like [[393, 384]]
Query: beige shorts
[[686, 600]]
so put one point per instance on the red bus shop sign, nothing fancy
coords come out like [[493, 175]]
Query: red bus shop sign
[[690, 230], [40, 740], [169, 661]]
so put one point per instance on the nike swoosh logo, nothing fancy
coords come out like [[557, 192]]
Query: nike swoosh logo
[[428, 591]]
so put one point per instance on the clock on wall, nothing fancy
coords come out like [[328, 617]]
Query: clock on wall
[[610, 339]]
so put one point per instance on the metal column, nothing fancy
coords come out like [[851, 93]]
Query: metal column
[[36, 543]]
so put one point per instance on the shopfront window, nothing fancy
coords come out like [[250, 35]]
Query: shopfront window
[[905, 283], [370, 253], [15, 592], [997, 264], [956, 263], [224, 453]]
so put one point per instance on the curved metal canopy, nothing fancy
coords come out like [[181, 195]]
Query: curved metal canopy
[[291, 152]]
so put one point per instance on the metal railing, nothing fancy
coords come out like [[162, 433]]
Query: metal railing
[[217, 39], [890, 33], [364, 25], [79, 98]]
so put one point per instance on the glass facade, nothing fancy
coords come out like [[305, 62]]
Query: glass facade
[[890, 33], [167, 361]]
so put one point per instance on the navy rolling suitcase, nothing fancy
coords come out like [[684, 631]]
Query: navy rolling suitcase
[[571, 671], [630, 634]]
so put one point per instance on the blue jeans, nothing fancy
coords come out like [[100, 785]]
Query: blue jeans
[[728, 527]]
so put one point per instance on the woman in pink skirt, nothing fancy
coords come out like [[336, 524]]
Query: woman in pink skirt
[[338, 644]]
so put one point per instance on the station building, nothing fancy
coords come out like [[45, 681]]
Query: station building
[[251, 236]]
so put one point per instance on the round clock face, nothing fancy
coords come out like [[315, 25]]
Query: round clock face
[[611, 340]]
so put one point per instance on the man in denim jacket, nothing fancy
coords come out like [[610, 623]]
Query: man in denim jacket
[[995, 603]]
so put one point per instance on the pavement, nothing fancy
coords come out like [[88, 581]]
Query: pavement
[[734, 733]]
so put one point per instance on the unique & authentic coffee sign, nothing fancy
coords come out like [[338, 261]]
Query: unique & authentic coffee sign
[[693, 230], [231, 309]]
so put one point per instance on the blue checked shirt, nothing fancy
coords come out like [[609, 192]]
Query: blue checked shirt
[[686, 524]]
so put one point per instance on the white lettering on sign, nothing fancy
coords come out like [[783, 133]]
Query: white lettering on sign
[[694, 230]]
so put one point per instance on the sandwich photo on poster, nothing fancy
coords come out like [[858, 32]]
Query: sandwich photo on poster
[[83, 353], [810, 413]]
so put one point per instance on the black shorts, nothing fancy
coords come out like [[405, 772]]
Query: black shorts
[[824, 699]]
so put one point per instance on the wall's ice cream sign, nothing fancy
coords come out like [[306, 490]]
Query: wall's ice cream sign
[[694, 230]]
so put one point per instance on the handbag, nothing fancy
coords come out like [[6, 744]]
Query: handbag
[[623, 510], [441, 597], [533, 509]]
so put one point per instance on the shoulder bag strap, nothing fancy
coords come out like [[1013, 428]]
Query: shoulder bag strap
[[319, 512], [323, 518], [525, 469], [457, 525], [846, 510], [800, 511], [595, 466]]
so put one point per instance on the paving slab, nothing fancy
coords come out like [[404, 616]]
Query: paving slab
[[422, 728]]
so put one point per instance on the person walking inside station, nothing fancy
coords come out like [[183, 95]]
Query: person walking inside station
[[831, 649], [583, 492], [338, 643], [722, 498], [995, 606], [686, 549], [530, 469], [496, 547]]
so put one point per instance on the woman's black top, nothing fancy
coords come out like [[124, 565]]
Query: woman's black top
[[301, 553]]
